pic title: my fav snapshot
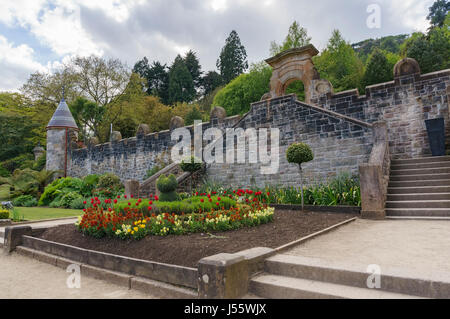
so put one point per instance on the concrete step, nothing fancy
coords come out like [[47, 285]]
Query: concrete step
[[421, 171], [418, 218], [280, 287], [420, 177], [419, 204], [420, 160], [419, 190], [421, 165], [393, 280], [418, 183], [419, 196], [418, 212]]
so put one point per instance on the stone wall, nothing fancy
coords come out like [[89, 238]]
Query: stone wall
[[404, 104], [130, 158], [339, 145]]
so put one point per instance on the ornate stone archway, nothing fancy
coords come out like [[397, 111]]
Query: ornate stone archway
[[291, 65]]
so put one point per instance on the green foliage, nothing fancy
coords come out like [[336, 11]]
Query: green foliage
[[77, 203], [378, 69], [299, 153], [236, 96], [193, 115], [297, 37], [4, 214], [340, 64], [58, 188], [438, 12], [21, 182], [191, 164], [87, 115], [4, 172], [298, 88], [211, 81], [22, 161], [89, 184], [233, 58], [67, 199], [389, 44], [181, 84], [167, 183], [25, 201], [110, 181], [39, 164]]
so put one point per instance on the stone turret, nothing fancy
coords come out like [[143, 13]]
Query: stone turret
[[59, 130]]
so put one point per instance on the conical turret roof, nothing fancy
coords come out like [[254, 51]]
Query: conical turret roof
[[62, 117]]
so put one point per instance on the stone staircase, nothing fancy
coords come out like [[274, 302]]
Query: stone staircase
[[419, 187], [296, 277]]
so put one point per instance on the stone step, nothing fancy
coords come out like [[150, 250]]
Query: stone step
[[280, 287], [393, 280], [418, 183], [418, 212], [445, 164], [418, 204], [419, 177], [420, 160], [418, 218], [419, 190], [421, 171], [418, 196]]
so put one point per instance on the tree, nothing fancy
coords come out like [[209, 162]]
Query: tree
[[193, 115], [297, 37], [233, 58], [378, 69], [438, 12], [340, 64], [194, 67], [87, 115], [211, 81], [181, 84], [299, 153], [247, 88], [157, 78]]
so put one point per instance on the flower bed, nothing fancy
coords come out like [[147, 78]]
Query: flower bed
[[136, 218]]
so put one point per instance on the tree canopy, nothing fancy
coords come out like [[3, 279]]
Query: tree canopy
[[297, 37], [233, 58]]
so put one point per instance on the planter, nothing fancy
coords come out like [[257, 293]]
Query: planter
[[436, 136]]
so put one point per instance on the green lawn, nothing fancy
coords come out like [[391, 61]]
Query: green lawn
[[37, 213]]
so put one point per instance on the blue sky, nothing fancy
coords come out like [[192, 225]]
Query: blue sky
[[39, 35]]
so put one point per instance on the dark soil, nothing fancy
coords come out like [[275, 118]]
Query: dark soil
[[187, 250]]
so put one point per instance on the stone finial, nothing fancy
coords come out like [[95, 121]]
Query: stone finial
[[143, 129], [38, 151], [92, 141], [218, 112], [116, 136], [266, 96], [406, 66], [176, 122]]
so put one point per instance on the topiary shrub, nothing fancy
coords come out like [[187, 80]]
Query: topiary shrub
[[4, 214], [167, 185], [299, 153]]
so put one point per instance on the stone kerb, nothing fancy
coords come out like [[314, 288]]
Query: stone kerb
[[374, 175], [14, 236]]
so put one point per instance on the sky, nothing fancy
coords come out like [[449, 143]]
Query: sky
[[39, 35]]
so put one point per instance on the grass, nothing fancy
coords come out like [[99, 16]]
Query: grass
[[38, 213], [4, 192]]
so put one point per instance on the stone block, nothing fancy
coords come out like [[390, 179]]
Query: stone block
[[13, 237], [223, 276]]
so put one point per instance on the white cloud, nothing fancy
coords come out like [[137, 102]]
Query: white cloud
[[16, 64], [410, 13]]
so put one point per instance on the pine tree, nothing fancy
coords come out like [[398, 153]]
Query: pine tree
[[181, 85], [233, 58], [378, 69], [194, 67]]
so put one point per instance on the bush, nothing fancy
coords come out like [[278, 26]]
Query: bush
[[155, 169], [191, 164], [299, 153], [77, 203], [25, 201], [67, 199], [89, 184], [58, 188], [109, 181], [167, 185], [4, 214], [4, 172]]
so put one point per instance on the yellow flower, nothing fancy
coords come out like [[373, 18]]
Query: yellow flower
[[135, 229], [132, 233], [129, 231], [142, 225]]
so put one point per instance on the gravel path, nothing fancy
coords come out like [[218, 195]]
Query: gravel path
[[22, 278]]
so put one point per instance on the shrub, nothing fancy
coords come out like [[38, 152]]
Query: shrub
[[25, 201], [59, 188], [77, 203], [110, 181], [67, 199], [4, 172], [4, 214], [167, 186], [89, 184], [191, 164], [299, 153]]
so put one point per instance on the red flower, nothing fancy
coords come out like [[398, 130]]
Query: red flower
[[156, 197], [118, 196], [150, 202], [149, 208], [131, 196], [196, 193], [217, 203], [210, 199], [218, 198], [151, 195], [139, 200], [125, 196], [137, 204], [96, 198], [84, 209], [129, 204], [115, 201], [109, 209], [202, 200], [84, 202]]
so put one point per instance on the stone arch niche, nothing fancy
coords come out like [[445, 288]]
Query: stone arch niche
[[292, 65]]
